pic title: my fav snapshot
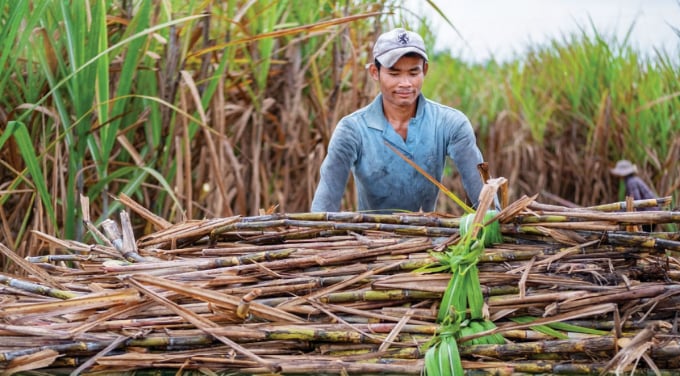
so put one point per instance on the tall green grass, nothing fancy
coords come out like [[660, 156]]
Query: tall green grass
[[175, 103], [557, 118]]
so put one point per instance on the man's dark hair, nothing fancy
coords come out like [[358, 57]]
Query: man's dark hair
[[410, 54]]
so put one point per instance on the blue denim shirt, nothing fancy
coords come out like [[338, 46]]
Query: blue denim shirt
[[384, 181]]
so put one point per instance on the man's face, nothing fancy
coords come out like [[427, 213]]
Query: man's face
[[400, 85]]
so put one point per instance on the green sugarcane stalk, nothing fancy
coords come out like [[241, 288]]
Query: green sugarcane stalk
[[57, 258], [643, 241], [372, 353], [527, 335], [372, 296], [646, 203], [310, 365], [35, 288], [536, 228], [322, 332], [641, 217], [315, 334], [165, 341], [399, 218], [558, 367], [614, 206], [597, 368], [512, 350], [201, 264], [63, 348], [412, 230], [184, 232], [329, 244]]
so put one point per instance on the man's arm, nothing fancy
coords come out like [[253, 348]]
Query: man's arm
[[463, 150], [342, 153]]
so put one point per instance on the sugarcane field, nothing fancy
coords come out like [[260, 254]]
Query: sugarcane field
[[316, 187]]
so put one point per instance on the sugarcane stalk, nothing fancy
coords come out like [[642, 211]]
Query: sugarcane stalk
[[121, 241], [64, 348], [311, 365], [158, 222], [618, 295], [57, 258], [412, 230], [643, 240], [205, 325], [337, 244], [184, 232], [623, 218], [29, 268], [77, 303], [115, 343], [397, 218], [165, 341], [637, 204], [507, 350], [35, 288], [615, 206], [535, 228], [74, 246], [43, 332], [217, 298], [371, 353], [383, 295], [201, 264]]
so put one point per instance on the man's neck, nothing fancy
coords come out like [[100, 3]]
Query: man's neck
[[399, 116]]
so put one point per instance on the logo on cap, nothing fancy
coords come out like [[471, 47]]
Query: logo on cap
[[403, 38]]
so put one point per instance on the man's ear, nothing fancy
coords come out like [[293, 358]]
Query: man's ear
[[425, 67], [373, 71]]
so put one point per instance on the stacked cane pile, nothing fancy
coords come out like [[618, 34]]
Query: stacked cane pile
[[570, 291]]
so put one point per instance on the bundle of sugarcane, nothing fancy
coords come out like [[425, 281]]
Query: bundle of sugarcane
[[565, 291]]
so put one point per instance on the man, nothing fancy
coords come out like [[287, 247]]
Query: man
[[400, 116], [635, 186]]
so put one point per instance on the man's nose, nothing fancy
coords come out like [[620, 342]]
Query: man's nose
[[405, 80]]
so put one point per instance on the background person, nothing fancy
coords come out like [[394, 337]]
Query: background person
[[635, 186]]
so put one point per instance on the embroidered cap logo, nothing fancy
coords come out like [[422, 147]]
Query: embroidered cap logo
[[403, 38]]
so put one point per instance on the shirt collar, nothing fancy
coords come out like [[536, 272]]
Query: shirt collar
[[375, 118]]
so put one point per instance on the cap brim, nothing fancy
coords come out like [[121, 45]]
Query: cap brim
[[389, 58]]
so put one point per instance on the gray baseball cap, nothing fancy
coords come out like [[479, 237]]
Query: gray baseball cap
[[394, 44]]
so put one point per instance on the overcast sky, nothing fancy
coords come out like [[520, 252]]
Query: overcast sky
[[507, 27]]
